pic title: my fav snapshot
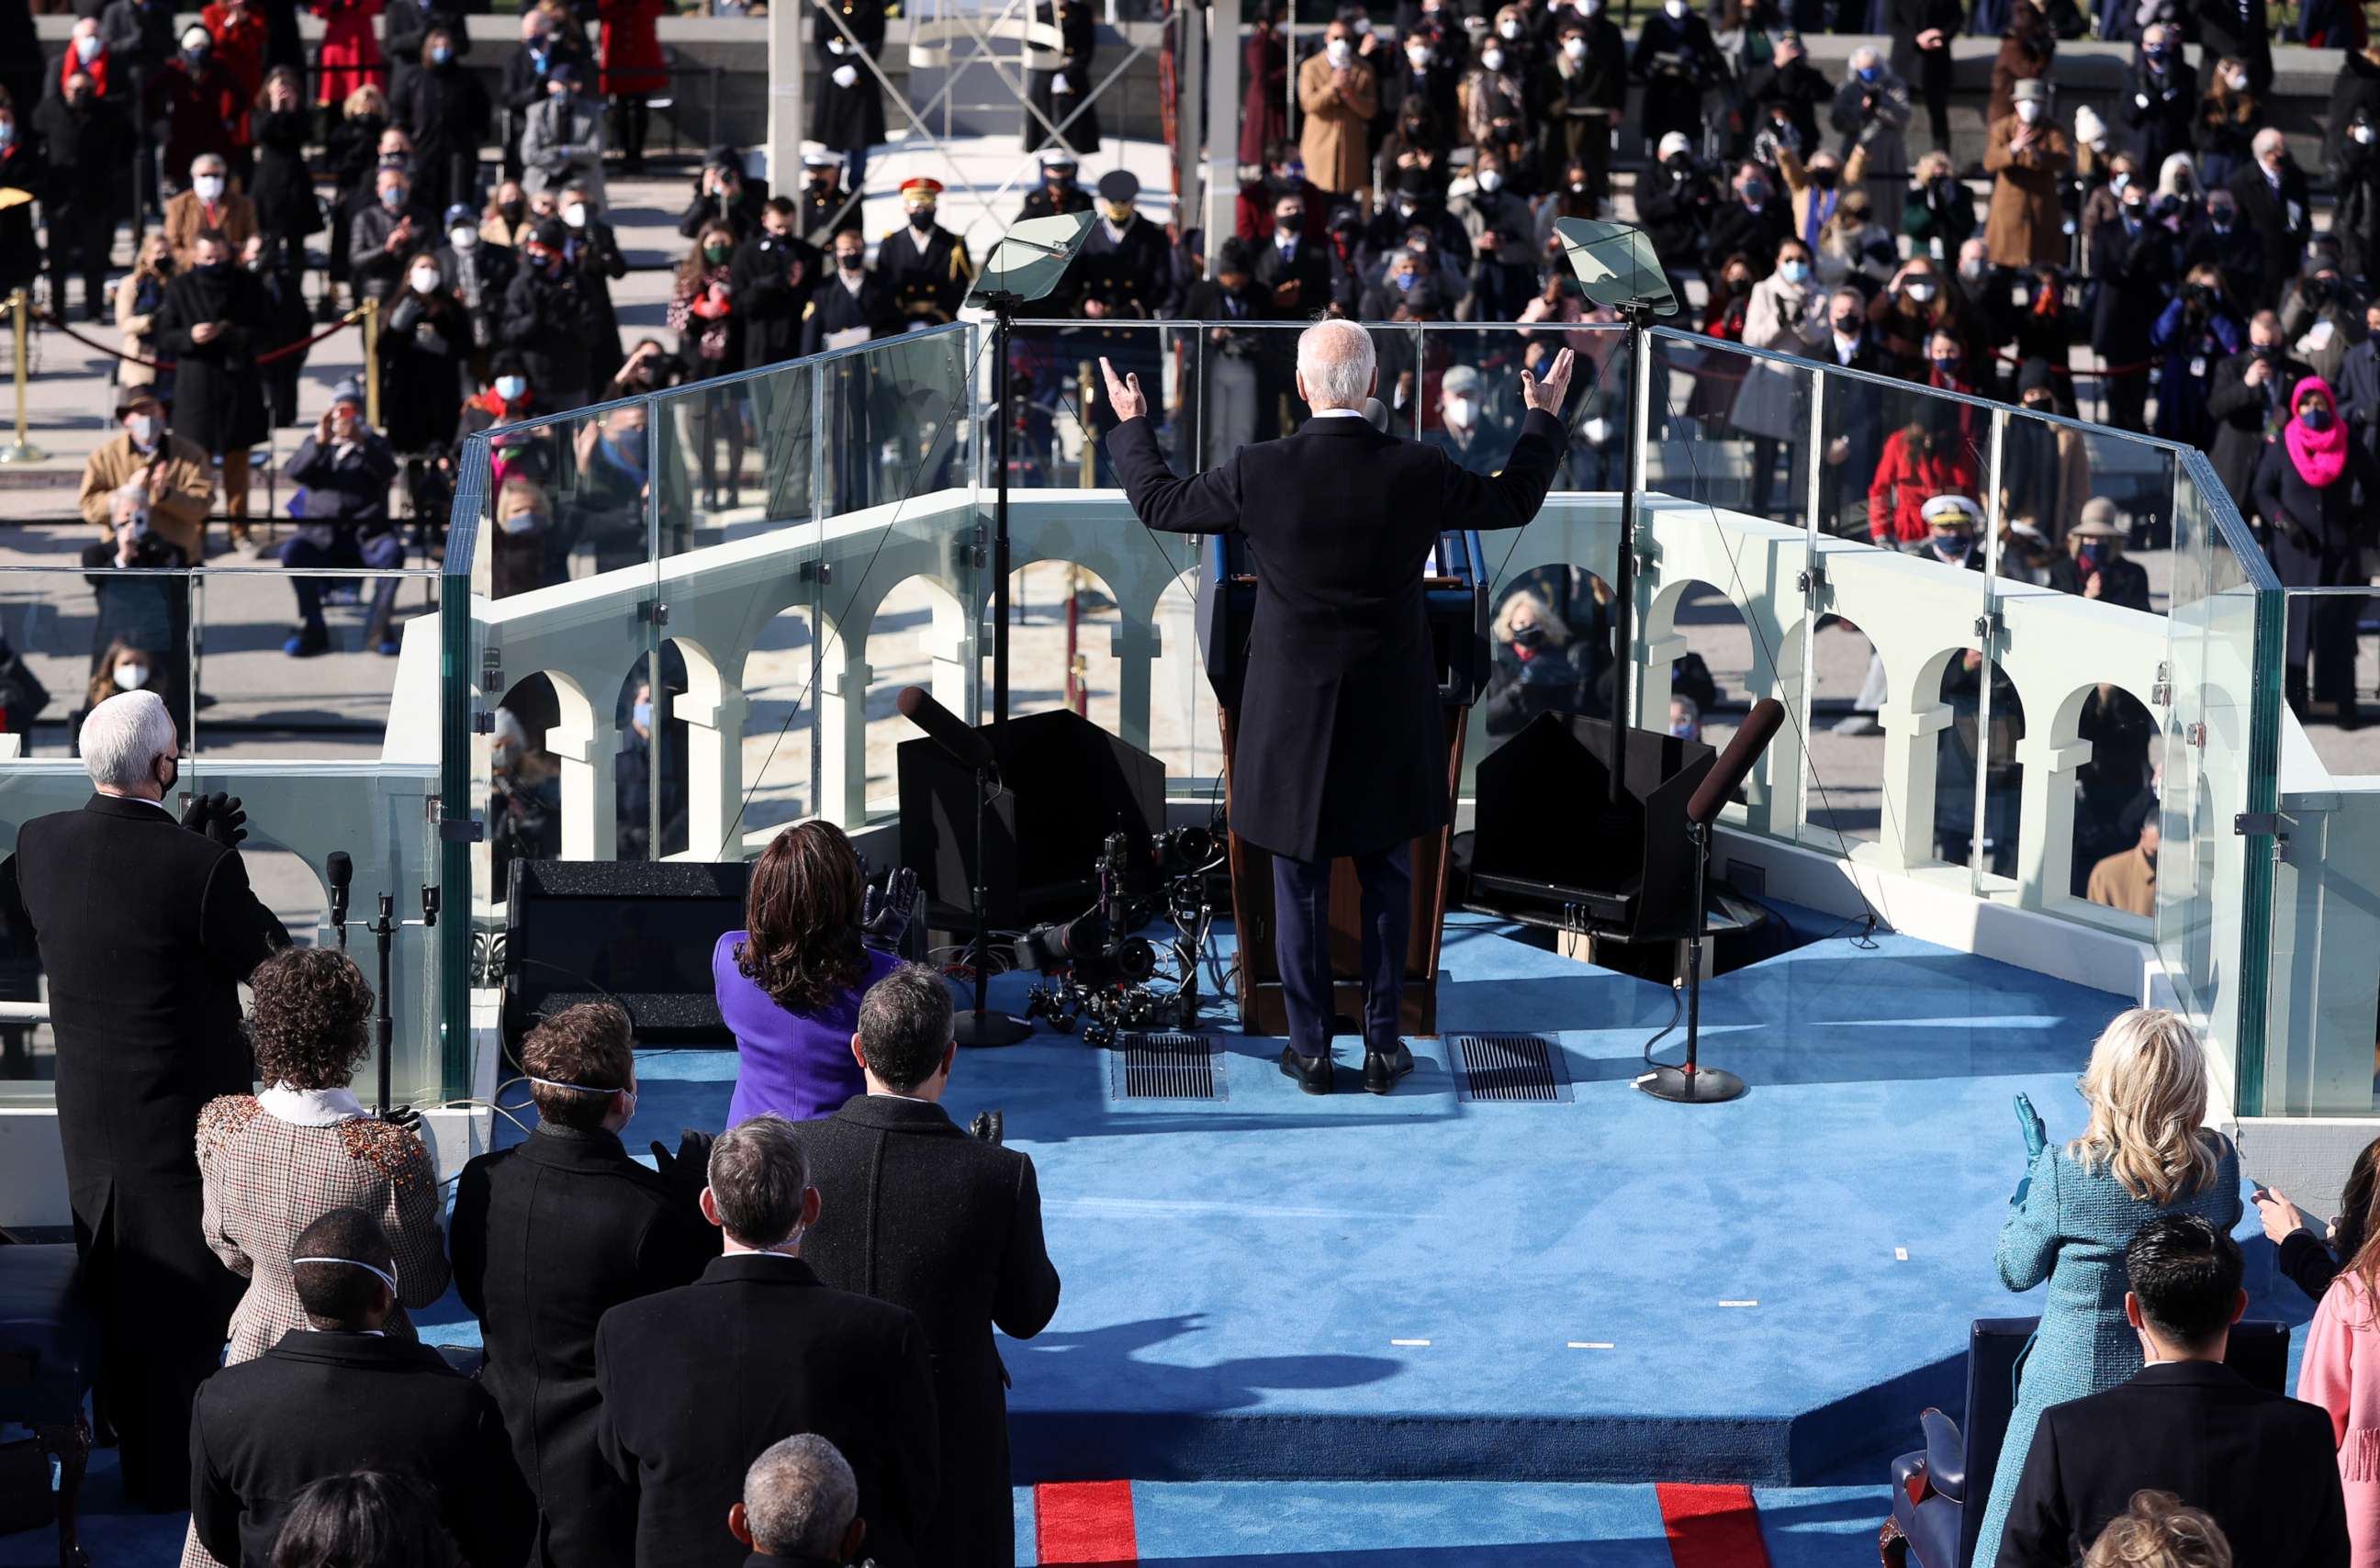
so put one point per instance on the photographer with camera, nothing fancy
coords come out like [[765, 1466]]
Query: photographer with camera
[[1871, 112], [2322, 313]]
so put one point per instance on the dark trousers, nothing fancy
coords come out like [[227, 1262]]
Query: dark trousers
[[1934, 84], [1301, 902], [380, 551]]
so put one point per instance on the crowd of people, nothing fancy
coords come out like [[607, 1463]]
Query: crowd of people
[[776, 1341]]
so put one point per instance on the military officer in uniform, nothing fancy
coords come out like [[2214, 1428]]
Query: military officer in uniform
[[1058, 194], [1121, 277], [824, 208], [924, 264], [847, 114]]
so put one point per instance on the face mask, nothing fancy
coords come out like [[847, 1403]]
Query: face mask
[[78, 101], [197, 54], [575, 215], [1950, 546], [850, 261], [512, 389], [7, 132], [1362, 24], [1682, 730], [2316, 419], [2221, 217], [173, 773], [715, 254], [1420, 57], [2029, 111], [1575, 48], [512, 211], [1974, 270], [1407, 208], [2090, 557], [1947, 363], [1493, 59], [921, 218], [393, 198], [1795, 271], [209, 187], [441, 54], [1528, 636], [1921, 291], [1490, 179], [641, 715], [1737, 283], [87, 49], [2361, 133], [522, 522], [464, 238], [1405, 280], [1291, 220], [1674, 9], [425, 280], [2237, 81], [2155, 56], [130, 677], [1847, 327], [1460, 413], [1755, 193], [215, 269], [1338, 49], [1824, 177], [1118, 211], [143, 428], [1508, 29], [630, 445], [1869, 73]]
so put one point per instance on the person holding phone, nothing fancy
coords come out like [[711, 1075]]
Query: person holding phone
[[2145, 1153]]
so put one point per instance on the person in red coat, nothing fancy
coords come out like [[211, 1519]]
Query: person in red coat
[[350, 54], [1264, 111], [239, 29], [201, 105], [1919, 464], [630, 54]]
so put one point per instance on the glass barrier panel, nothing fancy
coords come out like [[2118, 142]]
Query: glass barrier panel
[[1059, 406], [1730, 428], [85, 635], [302, 661]]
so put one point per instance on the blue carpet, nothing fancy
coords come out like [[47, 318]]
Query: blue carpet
[[1240, 1275]]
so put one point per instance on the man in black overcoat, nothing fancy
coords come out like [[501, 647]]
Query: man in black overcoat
[[695, 1382], [769, 281], [1342, 748], [2247, 403], [2276, 206], [340, 1396], [144, 1002], [214, 322], [2264, 1465], [917, 1213], [549, 1236]]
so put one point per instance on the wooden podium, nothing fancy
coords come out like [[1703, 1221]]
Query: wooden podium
[[1455, 596]]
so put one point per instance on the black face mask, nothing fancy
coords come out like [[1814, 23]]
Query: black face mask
[[1528, 636], [922, 220], [851, 262], [512, 211], [215, 269], [1823, 179]]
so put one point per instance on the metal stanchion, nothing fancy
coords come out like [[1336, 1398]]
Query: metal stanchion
[[1085, 395], [20, 314], [372, 363]]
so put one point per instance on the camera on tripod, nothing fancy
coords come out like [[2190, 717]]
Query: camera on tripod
[[1098, 948]]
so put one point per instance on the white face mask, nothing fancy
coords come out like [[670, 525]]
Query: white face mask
[[2029, 111], [1419, 57], [1338, 49], [510, 388], [209, 187], [1489, 179], [2237, 81], [2362, 134], [1574, 47], [425, 280], [131, 677], [575, 215], [87, 48], [465, 238], [1919, 291], [1460, 412], [1493, 59], [1362, 24], [1674, 9], [1508, 29], [143, 428]]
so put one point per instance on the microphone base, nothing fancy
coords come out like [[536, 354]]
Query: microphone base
[[1704, 1086], [989, 1029]]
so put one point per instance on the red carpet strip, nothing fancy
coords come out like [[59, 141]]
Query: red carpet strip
[[1712, 1526], [1084, 1523]]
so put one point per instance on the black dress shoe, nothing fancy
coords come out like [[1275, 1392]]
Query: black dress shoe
[[1383, 1068], [1312, 1073]]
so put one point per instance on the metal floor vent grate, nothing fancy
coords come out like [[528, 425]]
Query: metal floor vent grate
[[1511, 1067], [1167, 1067]]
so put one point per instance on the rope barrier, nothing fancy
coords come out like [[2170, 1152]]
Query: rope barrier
[[51, 319]]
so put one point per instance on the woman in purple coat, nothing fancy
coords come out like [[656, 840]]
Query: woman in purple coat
[[789, 985]]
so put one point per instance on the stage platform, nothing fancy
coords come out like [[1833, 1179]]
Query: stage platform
[[1607, 1288]]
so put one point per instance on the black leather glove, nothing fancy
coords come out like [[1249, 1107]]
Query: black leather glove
[[988, 1125], [690, 1166], [884, 917], [219, 816], [404, 1116]]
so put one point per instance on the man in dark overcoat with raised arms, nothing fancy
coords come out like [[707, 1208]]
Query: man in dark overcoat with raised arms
[[1342, 749]]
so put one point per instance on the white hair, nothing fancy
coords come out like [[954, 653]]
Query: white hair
[[2269, 139], [205, 160], [1864, 56], [1337, 361], [799, 1498], [123, 737]]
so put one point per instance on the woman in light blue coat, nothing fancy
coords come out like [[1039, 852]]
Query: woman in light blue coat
[[2146, 1152]]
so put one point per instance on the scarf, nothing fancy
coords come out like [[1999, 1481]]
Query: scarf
[[2320, 456]]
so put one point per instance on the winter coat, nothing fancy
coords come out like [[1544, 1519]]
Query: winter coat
[[219, 393], [2027, 224]]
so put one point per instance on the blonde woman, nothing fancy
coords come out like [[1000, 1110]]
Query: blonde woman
[[2145, 1153], [138, 295], [2159, 1531]]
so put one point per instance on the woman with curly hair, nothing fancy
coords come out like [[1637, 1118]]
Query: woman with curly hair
[[2145, 1153], [275, 1161], [789, 984]]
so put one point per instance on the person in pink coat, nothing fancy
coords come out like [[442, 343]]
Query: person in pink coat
[[2342, 1373]]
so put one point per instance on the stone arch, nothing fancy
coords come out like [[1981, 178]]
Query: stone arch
[[2085, 808], [777, 723], [918, 634], [1770, 666], [1183, 728], [588, 819], [1963, 741]]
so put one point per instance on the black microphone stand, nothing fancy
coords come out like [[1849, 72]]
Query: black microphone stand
[[383, 930], [1692, 1083], [980, 1026]]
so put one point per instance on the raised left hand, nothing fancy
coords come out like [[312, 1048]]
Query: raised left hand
[[1124, 392], [884, 917], [219, 816]]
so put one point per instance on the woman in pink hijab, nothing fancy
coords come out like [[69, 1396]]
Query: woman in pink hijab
[[2309, 488]]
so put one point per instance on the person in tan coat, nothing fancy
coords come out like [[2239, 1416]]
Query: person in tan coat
[[2127, 880], [2027, 157], [177, 476], [1339, 95], [210, 204]]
